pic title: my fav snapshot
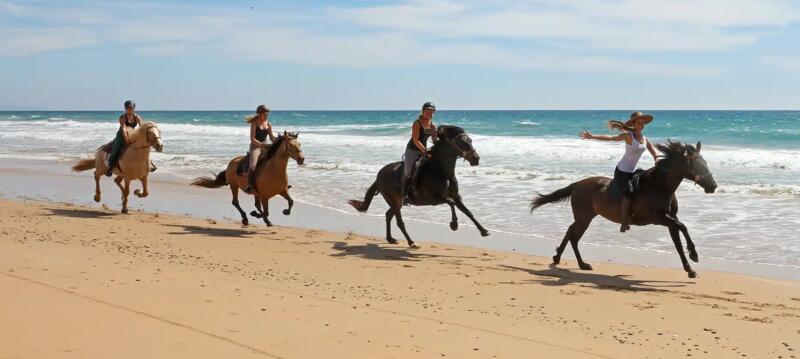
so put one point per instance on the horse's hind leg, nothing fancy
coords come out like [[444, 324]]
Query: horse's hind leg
[[97, 186], [577, 232], [466, 211], [673, 232], [563, 245], [285, 194], [389, 216], [235, 203], [402, 226], [265, 211]]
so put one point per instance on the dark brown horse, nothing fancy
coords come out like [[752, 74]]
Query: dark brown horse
[[653, 203], [437, 182]]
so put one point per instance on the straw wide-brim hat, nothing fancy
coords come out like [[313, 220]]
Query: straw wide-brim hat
[[637, 115], [259, 110]]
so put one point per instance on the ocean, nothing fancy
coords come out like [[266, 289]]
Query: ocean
[[754, 155]]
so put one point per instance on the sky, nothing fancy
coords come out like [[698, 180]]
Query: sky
[[359, 55]]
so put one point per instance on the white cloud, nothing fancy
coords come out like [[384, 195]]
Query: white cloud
[[537, 34], [784, 63]]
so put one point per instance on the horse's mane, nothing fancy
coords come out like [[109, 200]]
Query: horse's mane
[[138, 131], [671, 150], [275, 146], [441, 130]]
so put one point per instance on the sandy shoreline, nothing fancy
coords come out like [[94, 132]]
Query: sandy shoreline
[[52, 182], [88, 282]]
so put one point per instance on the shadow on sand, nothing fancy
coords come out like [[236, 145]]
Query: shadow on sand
[[80, 213], [213, 232], [376, 252], [555, 276]]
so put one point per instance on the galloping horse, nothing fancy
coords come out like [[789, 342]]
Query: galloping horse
[[271, 177], [654, 203], [437, 182], [134, 163]]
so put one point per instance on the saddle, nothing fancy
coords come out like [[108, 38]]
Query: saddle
[[244, 165], [109, 146], [616, 189], [412, 186]]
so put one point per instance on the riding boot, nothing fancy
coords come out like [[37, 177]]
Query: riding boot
[[116, 148], [404, 190], [626, 207], [251, 180]]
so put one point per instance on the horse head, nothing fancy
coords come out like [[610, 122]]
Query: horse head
[[153, 136], [692, 164], [293, 147], [460, 142]]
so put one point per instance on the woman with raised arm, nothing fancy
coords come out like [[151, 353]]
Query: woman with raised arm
[[635, 144]]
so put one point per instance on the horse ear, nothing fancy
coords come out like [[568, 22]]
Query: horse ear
[[698, 146]]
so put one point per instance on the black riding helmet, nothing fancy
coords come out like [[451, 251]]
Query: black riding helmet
[[428, 105], [130, 104]]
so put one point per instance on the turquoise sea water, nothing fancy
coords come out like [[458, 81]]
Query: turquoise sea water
[[754, 155]]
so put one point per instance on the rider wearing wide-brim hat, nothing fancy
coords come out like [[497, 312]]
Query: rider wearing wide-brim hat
[[260, 128], [417, 146], [635, 144]]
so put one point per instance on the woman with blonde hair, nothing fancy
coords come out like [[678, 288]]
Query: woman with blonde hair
[[635, 144], [260, 128]]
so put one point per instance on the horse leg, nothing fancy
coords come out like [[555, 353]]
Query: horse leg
[[235, 203], [257, 212], [673, 232], [578, 230], [563, 245], [265, 211], [97, 186], [689, 244], [144, 192], [453, 219], [466, 211], [285, 194], [389, 216], [118, 181], [402, 226], [126, 188]]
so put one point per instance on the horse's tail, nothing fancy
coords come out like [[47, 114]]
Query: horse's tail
[[363, 206], [84, 165], [209, 182], [558, 196]]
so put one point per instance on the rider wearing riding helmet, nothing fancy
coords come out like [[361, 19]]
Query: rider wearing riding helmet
[[422, 129], [635, 144], [128, 119], [260, 128]]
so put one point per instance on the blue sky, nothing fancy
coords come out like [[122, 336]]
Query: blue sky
[[491, 54]]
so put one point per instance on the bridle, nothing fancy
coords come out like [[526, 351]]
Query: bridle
[[695, 177], [462, 152]]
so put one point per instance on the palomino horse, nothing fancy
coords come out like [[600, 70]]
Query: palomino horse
[[271, 177], [134, 163], [437, 182], [654, 202]]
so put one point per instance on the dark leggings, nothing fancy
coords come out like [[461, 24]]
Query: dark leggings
[[626, 183], [119, 141]]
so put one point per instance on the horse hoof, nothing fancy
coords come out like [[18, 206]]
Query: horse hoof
[[245, 221], [137, 192], [125, 211], [413, 246], [454, 225], [287, 212], [391, 240], [584, 266], [693, 256], [556, 259], [692, 274], [269, 224], [484, 233], [255, 214], [97, 198]]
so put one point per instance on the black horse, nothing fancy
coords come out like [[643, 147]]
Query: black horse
[[654, 203], [436, 185]]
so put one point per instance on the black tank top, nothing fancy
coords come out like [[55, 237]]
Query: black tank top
[[130, 124], [424, 134], [261, 134]]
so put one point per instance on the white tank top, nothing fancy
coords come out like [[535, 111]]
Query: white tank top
[[633, 153]]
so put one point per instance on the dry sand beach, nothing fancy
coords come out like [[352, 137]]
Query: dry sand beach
[[89, 282]]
